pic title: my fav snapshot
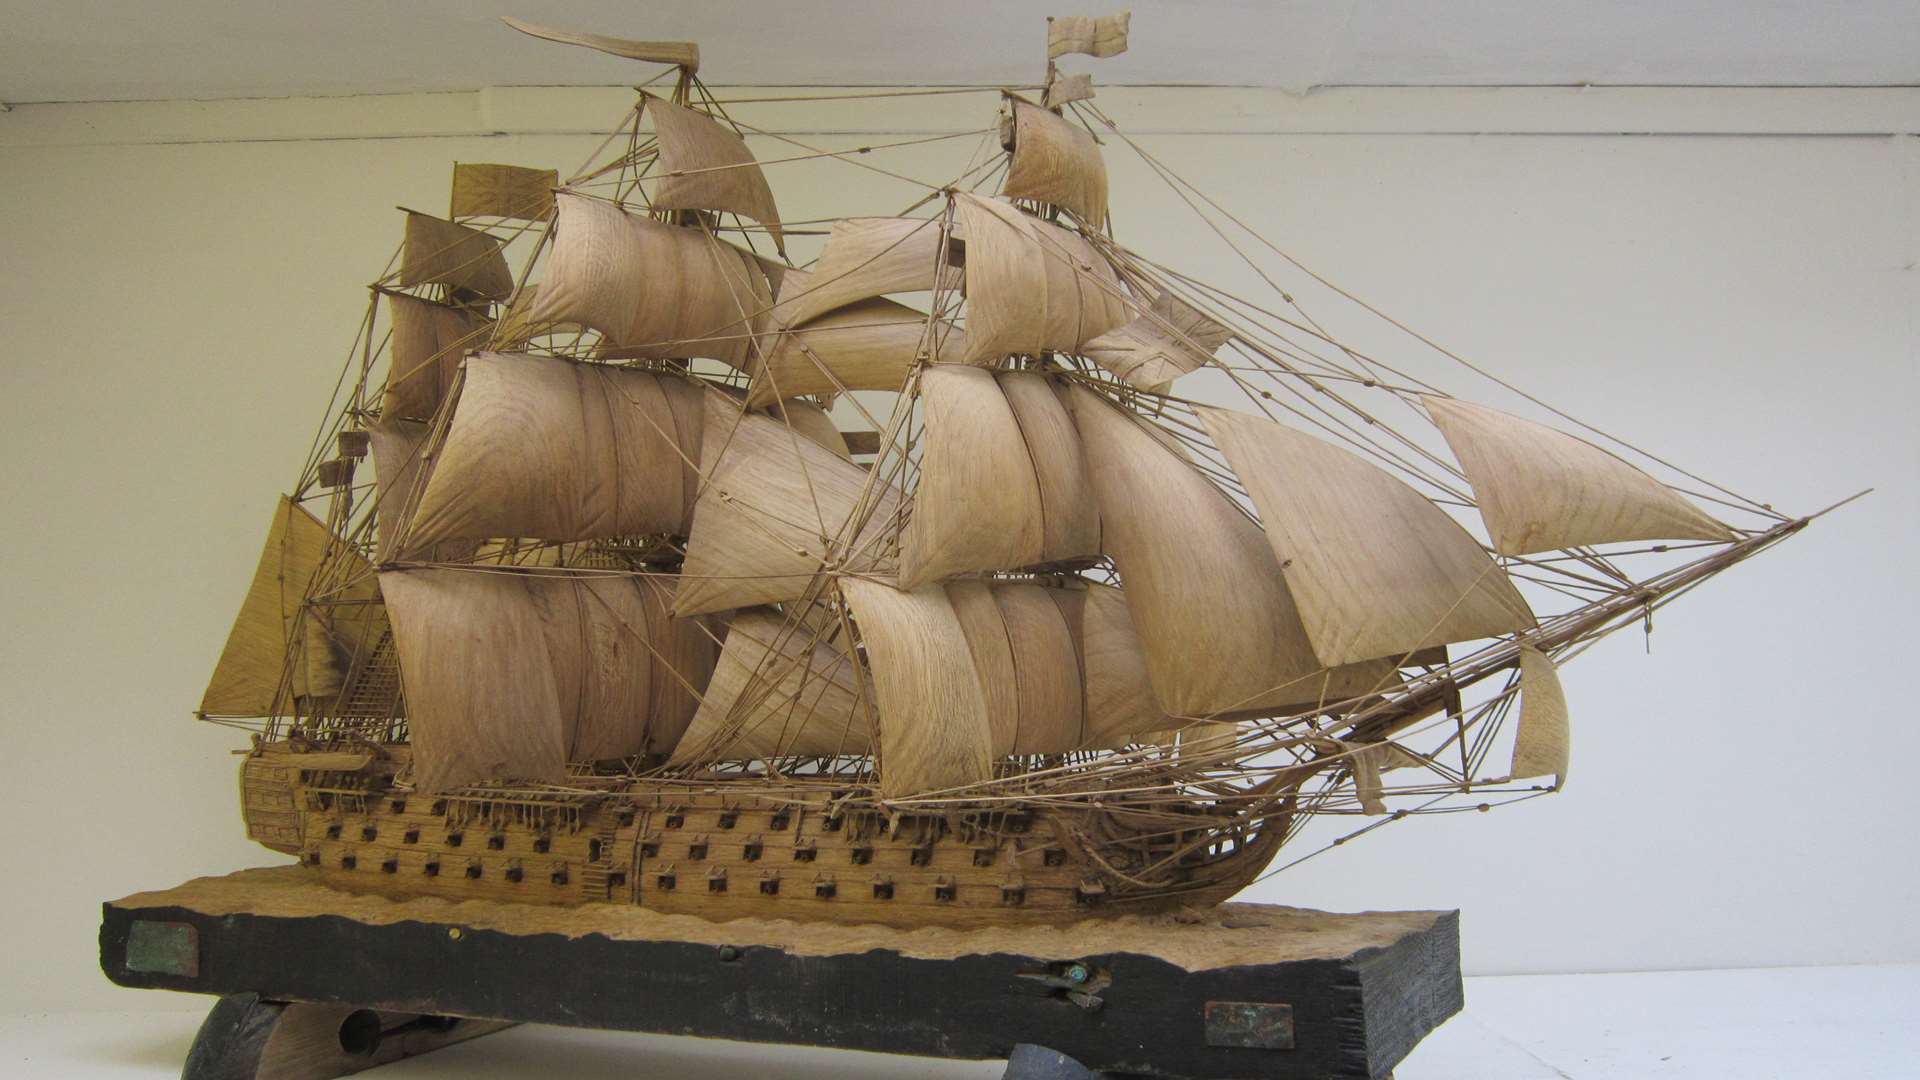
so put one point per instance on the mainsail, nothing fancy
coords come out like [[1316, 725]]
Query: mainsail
[[511, 675]]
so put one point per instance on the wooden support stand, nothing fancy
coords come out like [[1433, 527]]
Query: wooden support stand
[[320, 983]]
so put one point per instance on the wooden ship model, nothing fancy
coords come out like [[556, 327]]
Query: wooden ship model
[[583, 597]]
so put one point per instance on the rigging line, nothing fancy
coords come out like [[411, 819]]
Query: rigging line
[[1372, 448], [1430, 343], [916, 92], [813, 156], [842, 156]]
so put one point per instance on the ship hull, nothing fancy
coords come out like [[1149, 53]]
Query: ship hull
[[724, 848]]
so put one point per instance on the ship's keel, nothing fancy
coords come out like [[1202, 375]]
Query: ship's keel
[[320, 982]]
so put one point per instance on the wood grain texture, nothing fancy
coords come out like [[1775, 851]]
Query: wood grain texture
[[1543, 490], [253, 666], [439, 252], [990, 648], [1120, 698], [511, 675], [1375, 568], [655, 291], [977, 506], [1031, 286], [704, 165], [1219, 628], [554, 449], [481, 701], [868, 345], [1069, 514], [1542, 744], [1056, 162], [1170, 340], [1065, 88], [866, 257], [776, 690], [503, 191], [1050, 698], [812, 421], [428, 343], [771, 505], [684, 54], [934, 727], [1097, 36]]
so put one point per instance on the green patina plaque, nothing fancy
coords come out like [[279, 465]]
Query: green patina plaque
[[1255, 1025], [163, 948]]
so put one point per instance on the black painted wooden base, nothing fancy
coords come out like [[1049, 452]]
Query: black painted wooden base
[[1114, 1012]]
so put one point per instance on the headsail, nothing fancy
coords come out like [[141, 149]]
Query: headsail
[[1002, 479], [705, 166], [1219, 627], [654, 291], [553, 449], [1541, 744], [1543, 490], [1375, 568], [510, 675], [1032, 286]]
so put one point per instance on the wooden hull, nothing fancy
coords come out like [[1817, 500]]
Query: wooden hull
[[725, 849]]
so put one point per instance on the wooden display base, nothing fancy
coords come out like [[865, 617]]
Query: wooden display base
[[317, 982]]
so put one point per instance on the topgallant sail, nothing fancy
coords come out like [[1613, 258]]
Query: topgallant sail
[[621, 614]]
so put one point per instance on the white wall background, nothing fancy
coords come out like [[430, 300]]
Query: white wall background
[[176, 307]]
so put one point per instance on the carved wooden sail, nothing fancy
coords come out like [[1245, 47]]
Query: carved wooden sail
[[774, 508], [1375, 568], [1541, 490], [707, 167], [1040, 639], [560, 450], [653, 290], [1031, 286]]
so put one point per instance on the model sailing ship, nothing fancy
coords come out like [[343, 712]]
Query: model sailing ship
[[621, 616]]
